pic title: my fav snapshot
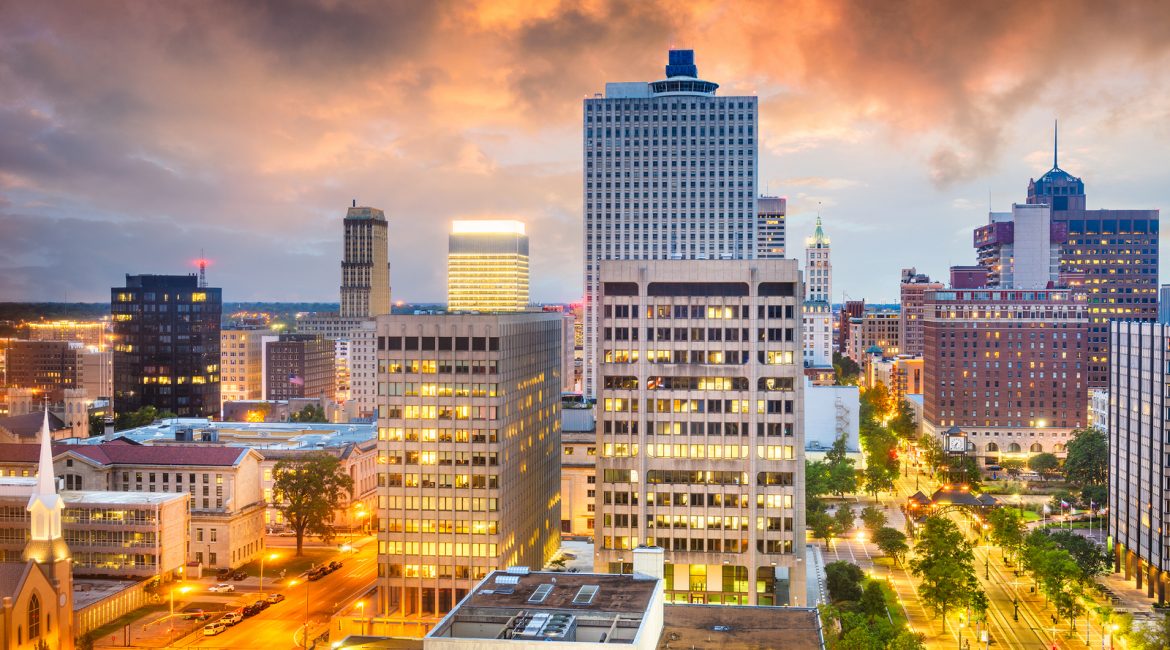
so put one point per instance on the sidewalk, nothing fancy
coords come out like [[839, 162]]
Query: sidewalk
[[1132, 599], [818, 591]]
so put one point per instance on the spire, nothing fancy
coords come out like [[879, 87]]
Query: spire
[[1055, 136], [818, 239], [46, 482]]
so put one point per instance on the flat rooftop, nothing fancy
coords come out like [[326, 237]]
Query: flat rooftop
[[24, 487], [740, 628]]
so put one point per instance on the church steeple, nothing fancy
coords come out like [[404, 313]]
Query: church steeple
[[46, 543]]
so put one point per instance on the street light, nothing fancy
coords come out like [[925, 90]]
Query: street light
[[361, 604], [293, 583], [272, 556], [182, 590]]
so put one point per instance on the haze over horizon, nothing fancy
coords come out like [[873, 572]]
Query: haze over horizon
[[133, 135]]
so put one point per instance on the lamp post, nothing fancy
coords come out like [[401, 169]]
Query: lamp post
[[306, 625], [182, 590], [361, 604], [272, 556]]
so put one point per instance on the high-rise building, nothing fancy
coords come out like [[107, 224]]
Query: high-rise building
[[914, 286], [817, 310], [771, 232], [875, 330], [1007, 367], [1021, 249], [95, 334], [487, 266], [699, 437], [365, 268], [1138, 451], [1164, 304], [300, 365], [1114, 253], [469, 431], [166, 345], [49, 367], [241, 362], [670, 173]]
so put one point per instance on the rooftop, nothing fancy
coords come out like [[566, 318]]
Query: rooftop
[[23, 487], [260, 435], [740, 628], [121, 453]]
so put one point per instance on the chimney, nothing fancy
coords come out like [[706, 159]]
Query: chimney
[[649, 563]]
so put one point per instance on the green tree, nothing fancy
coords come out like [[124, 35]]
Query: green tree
[[1013, 467], [1152, 637], [85, 642], [1044, 464], [843, 580], [1087, 458], [1090, 558], [311, 413], [310, 489], [933, 453], [843, 519], [816, 478], [140, 418], [1094, 496], [892, 543], [97, 426], [902, 424], [819, 522], [842, 475], [873, 600], [873, 517], [944, 565], [846, 369], [1007, 529]]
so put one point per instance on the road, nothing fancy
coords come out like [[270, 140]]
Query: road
[[275, 627]]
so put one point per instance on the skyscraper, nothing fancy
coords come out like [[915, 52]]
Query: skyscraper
[[914, 286], [166, 345], [1114, 254], [487, 266], [670, 172], [700, 427], [1021, 249], [817, 309], [771, 227], [365, 268]]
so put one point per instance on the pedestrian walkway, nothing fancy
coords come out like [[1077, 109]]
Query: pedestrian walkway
[[818, 589], [1129, 597]]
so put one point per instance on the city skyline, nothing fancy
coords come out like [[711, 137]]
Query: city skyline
[[104, 172]]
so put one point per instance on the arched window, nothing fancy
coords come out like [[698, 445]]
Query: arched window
[[1036, 448], [1057, 448], [992, 447], [34, 617], [1014, 448]]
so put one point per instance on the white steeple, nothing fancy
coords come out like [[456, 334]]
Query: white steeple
[[45, 505]]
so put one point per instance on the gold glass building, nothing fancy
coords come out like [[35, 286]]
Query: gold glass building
[[487, 266]]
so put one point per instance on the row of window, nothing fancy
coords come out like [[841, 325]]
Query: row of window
[[722, 428]]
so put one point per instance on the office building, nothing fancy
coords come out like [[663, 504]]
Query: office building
[[876, 330], [1114, 252], [578, 468], [1006, 366], [48, 367], [469, 427], [817, 310], [365, 265], [300, 365], [166, 345], [363, 369], [850, 310], [903, 375], [487, 266], [92, 334], [771, 232], [1139, 455], [914, 285], [1021, 249], [670, 173], [1164, 304], [700, 447], [241, 362], [829, 413]]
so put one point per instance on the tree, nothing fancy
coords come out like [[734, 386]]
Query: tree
[[873, 600], [843, 519], [873, 517], [311, 413], [902, 424], [932, 452], [846, 370], [842, 475], [944, 564], [1044, 464], [843, 580], [1152, 637], [97, 426], [140, 418], [310, 489], [1090, 558], [1094, 496], [1013, 467], [816, 478], [819, 522], [1087, 459], [1007, 529], [891, 542], [85, 642]]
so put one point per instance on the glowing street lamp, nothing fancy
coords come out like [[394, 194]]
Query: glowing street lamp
[[272, 556], [181, 590]]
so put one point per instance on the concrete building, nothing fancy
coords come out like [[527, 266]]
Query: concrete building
[[241, 362], [166, 351], [817, 310], [487, 266], [1099, 408], [1021, 249], [363, 370], [1008, 367], [358, 459], [1164, 304], [875, 328], [849, 310], [642, 142], [771, 235], [300, 365], [96, 373], [469, 427], [1139, 455], [903, 374], [365, 264], [829, 413], [578, 468], [48, 367], [699, 436], [914, 285]]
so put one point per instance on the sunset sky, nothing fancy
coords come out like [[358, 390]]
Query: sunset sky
[[134, 134]]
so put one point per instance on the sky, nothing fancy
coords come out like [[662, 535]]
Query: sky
[[133, 135]]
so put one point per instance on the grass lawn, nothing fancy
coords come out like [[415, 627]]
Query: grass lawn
[[126, 619], [287, 560], [892, 604], [1030, 515]]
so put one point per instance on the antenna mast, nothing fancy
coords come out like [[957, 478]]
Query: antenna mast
[[202, 270]]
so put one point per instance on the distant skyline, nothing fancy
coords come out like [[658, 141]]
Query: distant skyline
[[132, 135]]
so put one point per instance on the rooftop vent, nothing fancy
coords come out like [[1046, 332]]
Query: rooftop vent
[[507, 580], [585, 595], [540, 594]]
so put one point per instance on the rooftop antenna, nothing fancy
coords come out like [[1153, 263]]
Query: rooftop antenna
[[1055, 136], [202, 270], [355, 203]]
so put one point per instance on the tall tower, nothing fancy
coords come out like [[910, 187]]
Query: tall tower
[[487, 266], [46, 545], [770, 227], [817, 310], [670, 172], [365, 267]]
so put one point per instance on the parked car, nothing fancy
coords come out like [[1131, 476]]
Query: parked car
[[334, 565], [223, 574], [211, 629], [196, 615], [262, 604], [275, 598], [231, 618], [251, 610], [318, 573], [239, 575], [222, 587]]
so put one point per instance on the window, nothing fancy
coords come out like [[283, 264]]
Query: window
[[34, 617]]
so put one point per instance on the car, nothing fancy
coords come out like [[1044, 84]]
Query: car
[[251, 610], [239, 575], [334, 565], [222, 587], [262, 604], [318, 573], [231, 618], [223, 574], [211, 629], [275, 598], [196, 615]]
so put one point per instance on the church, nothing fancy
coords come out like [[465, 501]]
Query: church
[[36, 594]]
